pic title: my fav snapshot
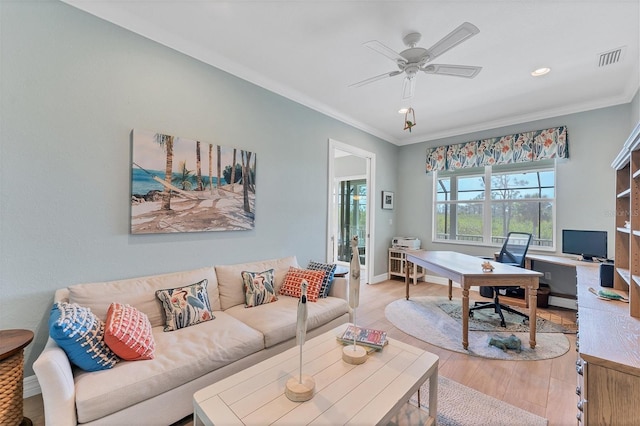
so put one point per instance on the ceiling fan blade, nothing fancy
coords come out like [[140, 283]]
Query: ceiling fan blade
[[452, 70], [454, 38], [384, 50], [376, 78], [408, 87]]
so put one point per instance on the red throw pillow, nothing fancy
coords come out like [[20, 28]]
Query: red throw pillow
[[293, 280], [128, 333]]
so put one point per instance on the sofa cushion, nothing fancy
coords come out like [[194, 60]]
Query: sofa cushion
[[329, 270], [140, 292], [80, 334], [258, 288], [185, 306], [230, 278], [181, 357], [292, 285], [277, 320], [127, 332]]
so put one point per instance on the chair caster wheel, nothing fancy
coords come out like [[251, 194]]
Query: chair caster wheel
[[470, 314]]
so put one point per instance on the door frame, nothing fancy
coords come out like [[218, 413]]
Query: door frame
[[370, 174]]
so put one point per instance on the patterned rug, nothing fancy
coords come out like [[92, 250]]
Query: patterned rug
[[460, 405], [421, 317]]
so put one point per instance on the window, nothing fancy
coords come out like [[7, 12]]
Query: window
[[482, 205]]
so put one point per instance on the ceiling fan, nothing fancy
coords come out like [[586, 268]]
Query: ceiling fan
[[414, 59]]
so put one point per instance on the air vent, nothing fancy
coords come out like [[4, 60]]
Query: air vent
[[611, 57]]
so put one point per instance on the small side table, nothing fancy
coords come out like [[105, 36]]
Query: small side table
[[12, 343]]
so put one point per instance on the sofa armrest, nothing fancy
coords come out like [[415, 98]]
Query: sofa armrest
[[55, 376], [340, 288]]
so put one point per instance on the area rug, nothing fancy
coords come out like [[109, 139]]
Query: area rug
[[460, 405], [422, 318]]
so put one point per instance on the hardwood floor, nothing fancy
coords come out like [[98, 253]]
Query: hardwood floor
[[545, 388]]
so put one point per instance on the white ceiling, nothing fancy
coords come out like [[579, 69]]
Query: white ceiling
[[311, 51]]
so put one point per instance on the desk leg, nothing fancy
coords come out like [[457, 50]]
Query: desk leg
[[465, 316], [533, 304], [407, 268], [450, 289]]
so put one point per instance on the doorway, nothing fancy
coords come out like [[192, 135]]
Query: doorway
[[351, 200]]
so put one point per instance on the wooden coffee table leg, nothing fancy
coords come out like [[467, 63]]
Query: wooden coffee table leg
[[433, 395], [465, 317], [450, 289]]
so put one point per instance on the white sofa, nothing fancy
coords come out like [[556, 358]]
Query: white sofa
[[160, 391]]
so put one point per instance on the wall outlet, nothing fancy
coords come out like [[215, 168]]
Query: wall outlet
[[547, 275]]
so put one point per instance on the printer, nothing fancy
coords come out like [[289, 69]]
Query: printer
[[410, 243]]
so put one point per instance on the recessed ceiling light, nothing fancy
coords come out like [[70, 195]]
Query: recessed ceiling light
[[403, 110], [540, 71]]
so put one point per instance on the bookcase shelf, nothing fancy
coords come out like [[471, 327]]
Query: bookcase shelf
[[627, 221]]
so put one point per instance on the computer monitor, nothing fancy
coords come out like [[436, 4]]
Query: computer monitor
[[588, 244]]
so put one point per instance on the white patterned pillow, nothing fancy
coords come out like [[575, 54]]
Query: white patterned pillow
[[258, 287], [185, 306]]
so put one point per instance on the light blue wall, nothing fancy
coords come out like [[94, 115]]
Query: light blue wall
[[72, 89], [585, 182]]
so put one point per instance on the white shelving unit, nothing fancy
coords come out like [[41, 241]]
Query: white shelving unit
[[397, 265]]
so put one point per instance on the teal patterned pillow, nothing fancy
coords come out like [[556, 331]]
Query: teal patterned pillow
[[185, 306], [81, 335], [259, 288], [329, 270]]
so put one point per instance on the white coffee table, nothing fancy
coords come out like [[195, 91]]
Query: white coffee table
[[366, 394]]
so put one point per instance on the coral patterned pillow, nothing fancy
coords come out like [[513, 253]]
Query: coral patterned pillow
[[185, 306], [293, 280], [127, 332]]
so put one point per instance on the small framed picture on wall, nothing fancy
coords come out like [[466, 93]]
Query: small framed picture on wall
[[387, 200]]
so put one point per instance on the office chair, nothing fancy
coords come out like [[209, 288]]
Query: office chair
[[513, 252]]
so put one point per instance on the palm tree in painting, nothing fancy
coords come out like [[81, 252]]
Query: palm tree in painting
[[166, 142], [219, 165], [246, 160], [233, 170], [184, 177], [199, 186], [211, 167]]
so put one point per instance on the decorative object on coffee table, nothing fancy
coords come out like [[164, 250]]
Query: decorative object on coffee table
[[301, 388], [12, 343], [354, 354]]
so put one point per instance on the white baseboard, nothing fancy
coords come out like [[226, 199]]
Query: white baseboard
[[378, 279], [31, 386]]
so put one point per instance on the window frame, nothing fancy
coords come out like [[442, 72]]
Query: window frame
[[486, 173]]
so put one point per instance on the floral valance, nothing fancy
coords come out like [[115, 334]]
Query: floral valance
[[518, 148]]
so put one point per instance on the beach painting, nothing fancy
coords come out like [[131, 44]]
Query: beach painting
[[186, 185]]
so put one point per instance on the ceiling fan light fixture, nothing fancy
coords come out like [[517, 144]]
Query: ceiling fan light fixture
[[540, 71]]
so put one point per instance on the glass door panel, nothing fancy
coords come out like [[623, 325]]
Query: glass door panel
[[352, 217]]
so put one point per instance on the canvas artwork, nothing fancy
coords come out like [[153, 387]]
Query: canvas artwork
[[185, 185]]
